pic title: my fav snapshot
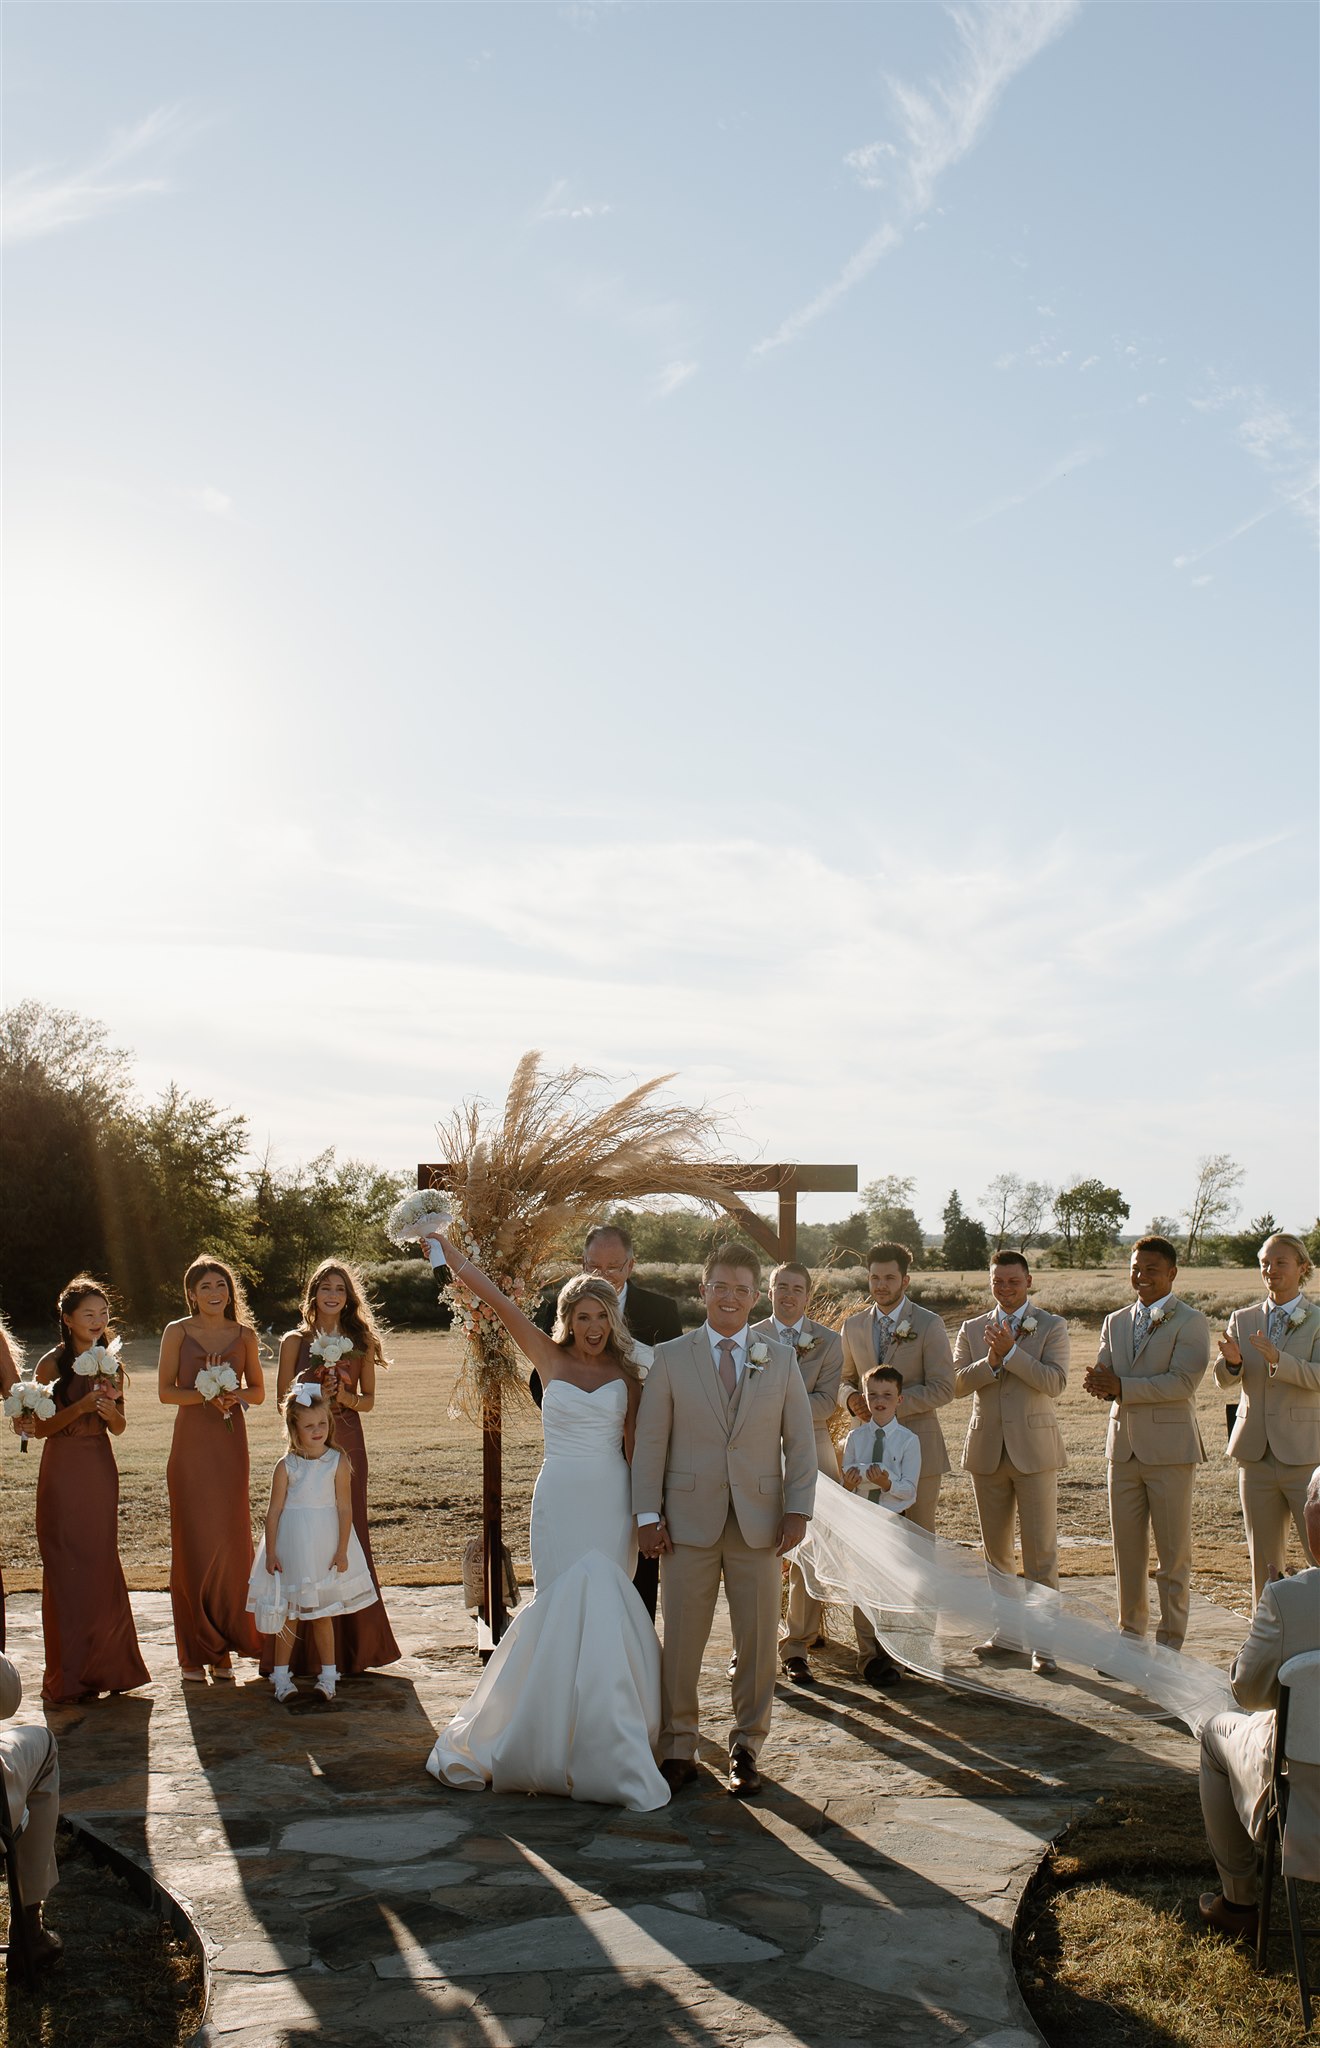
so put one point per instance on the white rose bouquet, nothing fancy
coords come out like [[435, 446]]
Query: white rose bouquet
[[27, 1398], [213, 1381], [328, 1347], [101, 1362], [416, 1216]]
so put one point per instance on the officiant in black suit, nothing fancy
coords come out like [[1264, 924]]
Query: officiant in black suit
[[651, 1318]]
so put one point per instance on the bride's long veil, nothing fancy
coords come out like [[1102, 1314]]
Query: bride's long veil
[[924, 1599]]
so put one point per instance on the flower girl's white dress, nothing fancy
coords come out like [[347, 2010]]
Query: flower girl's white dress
[[306, 1589], [570, 1701]]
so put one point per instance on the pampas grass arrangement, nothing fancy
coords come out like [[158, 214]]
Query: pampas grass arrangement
[[525, 1182]]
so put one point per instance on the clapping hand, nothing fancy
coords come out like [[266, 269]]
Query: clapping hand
[[1103, 1383], [999, 1340], [1230, 1351], [1269, 1352]]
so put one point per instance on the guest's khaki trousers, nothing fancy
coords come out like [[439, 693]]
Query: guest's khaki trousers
[[1236, 1756], [1033, 1497], [689, 1585], [29, 1765], [1269, 1493], [802, 1622], [922, 1510], [1144, 1500]]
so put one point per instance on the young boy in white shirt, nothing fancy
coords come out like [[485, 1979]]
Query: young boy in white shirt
[[882, 1462]]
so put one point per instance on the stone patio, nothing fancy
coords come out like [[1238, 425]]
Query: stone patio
[[344, 1897]]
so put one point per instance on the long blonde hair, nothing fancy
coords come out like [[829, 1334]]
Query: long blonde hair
[[619, 1344]]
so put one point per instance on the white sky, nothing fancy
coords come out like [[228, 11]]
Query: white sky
[[771, 541]]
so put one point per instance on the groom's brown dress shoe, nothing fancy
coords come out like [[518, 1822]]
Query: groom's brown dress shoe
[[744, 1778], [798, 1671], [678, 1771]]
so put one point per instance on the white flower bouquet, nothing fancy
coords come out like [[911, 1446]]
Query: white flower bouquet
[[213, 1381], [416, 1216], [27, 1398], [100, 1362]]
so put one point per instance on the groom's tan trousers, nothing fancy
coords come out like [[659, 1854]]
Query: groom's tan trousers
[[689, 1586]]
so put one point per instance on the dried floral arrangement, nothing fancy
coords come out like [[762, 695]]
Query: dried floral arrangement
[[525, 1181]]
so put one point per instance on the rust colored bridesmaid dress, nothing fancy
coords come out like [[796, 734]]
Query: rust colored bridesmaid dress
[[91, 1643], [363, 1641], [210, 1525]]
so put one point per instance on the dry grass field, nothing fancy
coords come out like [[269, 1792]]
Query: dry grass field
[[426, 1466]]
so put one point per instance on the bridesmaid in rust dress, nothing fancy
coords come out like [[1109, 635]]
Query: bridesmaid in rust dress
[[91, 1643], [11, 1364], [207, 1473], [336, 1313]]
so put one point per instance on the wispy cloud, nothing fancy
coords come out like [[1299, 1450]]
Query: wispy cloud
[[672, 377], [42, 200], [216, 504], [1078, 459], [559, 204], [939, 123], [1278, 443]]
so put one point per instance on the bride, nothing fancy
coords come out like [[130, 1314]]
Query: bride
[[570, 1700]]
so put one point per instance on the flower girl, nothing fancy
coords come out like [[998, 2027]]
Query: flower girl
[[310, 1566]]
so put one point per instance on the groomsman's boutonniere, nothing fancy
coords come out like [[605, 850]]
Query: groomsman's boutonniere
[[1028, 1326], [1298, 1316], [802, 1345], [757, 1358], [904, 1331], [1158, 1316]]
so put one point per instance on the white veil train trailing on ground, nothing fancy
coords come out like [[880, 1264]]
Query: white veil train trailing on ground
[[922, 1597]]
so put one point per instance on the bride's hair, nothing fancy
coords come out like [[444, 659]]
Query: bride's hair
[[619, 1345]]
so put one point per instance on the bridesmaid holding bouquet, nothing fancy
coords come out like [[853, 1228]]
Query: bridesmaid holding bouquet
[[91, 1643], [210, 1372], [338, 1345]]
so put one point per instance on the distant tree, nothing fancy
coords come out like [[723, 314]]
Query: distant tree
[[890, 1217], [1089, 1216], [1163, 1226], [1003, 1198], [966, 1247], [1311, 1239], [312, 1212], [1214, 1200], [1239, 1247], [181, 1189], [1034, 1205]]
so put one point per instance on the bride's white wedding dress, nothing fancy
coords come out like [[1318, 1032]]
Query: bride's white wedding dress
[[570, 1700]]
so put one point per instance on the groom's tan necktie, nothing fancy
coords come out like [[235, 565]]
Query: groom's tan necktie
[[728, 1370]]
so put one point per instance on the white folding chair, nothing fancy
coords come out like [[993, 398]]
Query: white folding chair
[[1296, 1743]]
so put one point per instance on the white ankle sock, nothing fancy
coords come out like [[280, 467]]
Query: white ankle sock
[[329, 1678], [280, 1679]]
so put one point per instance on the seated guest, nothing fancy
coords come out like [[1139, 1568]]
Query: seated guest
[[820, 1361], [1237, 1749], [882, 1462], [29, 1767], [648, 1317]]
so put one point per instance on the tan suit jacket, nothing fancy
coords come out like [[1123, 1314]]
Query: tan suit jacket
[[1286, 1623], [821, 1367], [1017, 1411], [1155, 1417], [1279, 1407], [925, 1360], [697, 1452]]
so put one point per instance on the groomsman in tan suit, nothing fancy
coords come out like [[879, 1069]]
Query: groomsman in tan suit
[[723, 1483], [1271, 1357], [1013, 1361], [1153, 1357], [894, 1331], [819, 1353]]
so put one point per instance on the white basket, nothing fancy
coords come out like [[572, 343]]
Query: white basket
[[271, 1610]]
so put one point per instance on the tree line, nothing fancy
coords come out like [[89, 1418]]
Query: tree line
[[93, 1176]]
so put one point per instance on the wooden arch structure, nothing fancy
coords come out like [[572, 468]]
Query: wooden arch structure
[[786, 1181]]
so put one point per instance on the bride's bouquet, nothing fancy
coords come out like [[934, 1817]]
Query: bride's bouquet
[[524, 1183], [213, 1381], [28, 1398], [416, 1216]]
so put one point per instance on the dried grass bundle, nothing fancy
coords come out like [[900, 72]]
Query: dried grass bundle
[[523, 1185]]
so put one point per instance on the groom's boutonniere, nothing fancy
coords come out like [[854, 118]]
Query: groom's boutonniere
[[904, 1331], [757, 1358], [802, 1345], [1028, 1326]]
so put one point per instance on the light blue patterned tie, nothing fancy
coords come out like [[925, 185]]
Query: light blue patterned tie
[[884, 1330], [1278, 1327], [1142, 1330]]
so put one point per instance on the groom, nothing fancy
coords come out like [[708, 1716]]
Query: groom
[[724, 1479]]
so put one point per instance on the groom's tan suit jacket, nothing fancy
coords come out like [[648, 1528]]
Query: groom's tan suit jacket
[[698, 1451]]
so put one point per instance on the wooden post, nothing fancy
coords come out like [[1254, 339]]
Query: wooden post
[[492, 1518], [788, 1222]]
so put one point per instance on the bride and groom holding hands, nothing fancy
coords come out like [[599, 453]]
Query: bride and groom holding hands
[[709, 1466]]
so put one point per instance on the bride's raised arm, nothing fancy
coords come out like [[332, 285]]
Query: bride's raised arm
[[533, 1343]]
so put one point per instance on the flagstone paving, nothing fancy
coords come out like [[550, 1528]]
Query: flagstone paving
[[344, 1897]]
